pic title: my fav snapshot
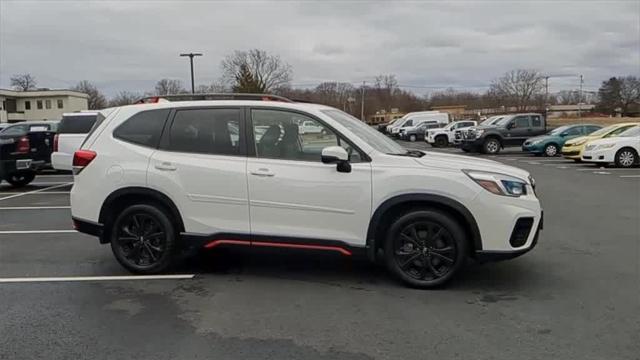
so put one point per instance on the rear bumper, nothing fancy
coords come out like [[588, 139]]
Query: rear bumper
[[8, 167], [88, 227], [61, 161]]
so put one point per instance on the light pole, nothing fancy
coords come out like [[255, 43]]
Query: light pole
[[580, 97], [362, 103], [191, 55]]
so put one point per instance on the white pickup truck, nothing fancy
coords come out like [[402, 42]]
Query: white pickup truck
[[441, 137], [72, 131]]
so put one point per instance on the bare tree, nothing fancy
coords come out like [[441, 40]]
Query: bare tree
[[168, 87], [23, 82], [214, 87], [96, 99], [124, 98], [335, 94], [267, 73], [519, 87], [629, 93]]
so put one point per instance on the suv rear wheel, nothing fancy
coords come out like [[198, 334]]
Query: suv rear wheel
[[425, 248], [491, 146], [143, 239]]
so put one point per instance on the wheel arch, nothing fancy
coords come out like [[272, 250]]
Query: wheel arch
[[386, 212], [494, 136], [124, 197], [630, 148]]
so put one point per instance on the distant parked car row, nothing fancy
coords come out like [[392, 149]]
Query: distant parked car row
[[618, 144], [29, 147]]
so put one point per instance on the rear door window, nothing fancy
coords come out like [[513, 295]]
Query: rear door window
[[536, 121], [77, 124], [143, 128], [207, 131], [521, 122]]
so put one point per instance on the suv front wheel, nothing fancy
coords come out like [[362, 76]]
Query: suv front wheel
[[143, 239], [425, 248]]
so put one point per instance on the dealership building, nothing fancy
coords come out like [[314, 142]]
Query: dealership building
[[39, 105]]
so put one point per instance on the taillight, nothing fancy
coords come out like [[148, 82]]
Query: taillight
[[23, 146], [81, 159], [55, 143]]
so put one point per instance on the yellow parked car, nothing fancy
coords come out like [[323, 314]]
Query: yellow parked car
[[573, 148]]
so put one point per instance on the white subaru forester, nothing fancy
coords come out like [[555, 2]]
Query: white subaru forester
[[157, 179]]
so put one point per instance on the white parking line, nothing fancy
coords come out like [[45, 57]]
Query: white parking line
[[95, 278], [51, 183], [607, 169], [14, 232], [35, 191], [42, 193], [630, 176], [34, 207], [54, 175]]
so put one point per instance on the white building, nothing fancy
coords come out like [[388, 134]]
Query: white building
[[39, 105]]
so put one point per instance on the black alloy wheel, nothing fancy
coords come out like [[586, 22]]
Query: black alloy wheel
[[143, 239], [425, 248]]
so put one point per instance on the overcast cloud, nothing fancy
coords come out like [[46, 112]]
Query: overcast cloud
[[129, 45]]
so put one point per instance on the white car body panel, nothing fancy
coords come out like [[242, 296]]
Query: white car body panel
[[604, 150]]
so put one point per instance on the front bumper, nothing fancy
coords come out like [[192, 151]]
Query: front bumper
[[572, 152], [534, 149], [470, 144], [598, 156]]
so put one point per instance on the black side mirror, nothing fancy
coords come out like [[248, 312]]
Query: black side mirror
[[511, 125]]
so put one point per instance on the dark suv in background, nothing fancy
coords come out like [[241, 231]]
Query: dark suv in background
[[511, 130]]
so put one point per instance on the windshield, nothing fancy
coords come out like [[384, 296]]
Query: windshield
[[633, 131], [502, 121], [559, 130], [604, 130], [374, 138], [492, 120], [450, 125]]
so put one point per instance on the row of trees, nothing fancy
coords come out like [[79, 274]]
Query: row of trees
[[256, 71]]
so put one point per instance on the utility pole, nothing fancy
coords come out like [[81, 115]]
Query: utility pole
[[546, 96], [580, 97], [362, 103], [191, 55]]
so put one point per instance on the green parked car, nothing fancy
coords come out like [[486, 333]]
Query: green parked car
[[551, 143]]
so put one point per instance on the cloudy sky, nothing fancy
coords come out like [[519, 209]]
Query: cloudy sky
[[128, 45]]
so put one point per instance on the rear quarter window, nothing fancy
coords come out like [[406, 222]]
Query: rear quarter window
[[143, 128], [76, 124]]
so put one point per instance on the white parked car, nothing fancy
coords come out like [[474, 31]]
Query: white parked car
[[309, 127], [444, 136], [622, 150], [415, 121], [72, 130], [406, 120], [173, 177]]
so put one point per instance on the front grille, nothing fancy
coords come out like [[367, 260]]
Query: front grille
[[521, 231], [570, 153], [457, 134], [469, 134]]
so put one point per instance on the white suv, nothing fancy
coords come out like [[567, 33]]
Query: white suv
[[157, 179], [441, 137]]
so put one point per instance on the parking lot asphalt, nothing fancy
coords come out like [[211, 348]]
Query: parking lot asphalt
[[575, 296]]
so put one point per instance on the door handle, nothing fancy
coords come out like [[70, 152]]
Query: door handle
[[262, 172], [165, 166]]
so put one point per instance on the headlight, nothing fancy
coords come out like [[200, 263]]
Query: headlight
[[479, 132], [499, 184], [579, 142], [535, 142]]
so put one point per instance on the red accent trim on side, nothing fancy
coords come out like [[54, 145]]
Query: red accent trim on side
[[215, 243], [343, 251]]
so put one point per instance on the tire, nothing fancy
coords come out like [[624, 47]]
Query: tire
[[153, 255], [577, 160], [441, 141], [626, 158], [491, 146], [20, 179], [551, 150], [412, 138], [466, 150], [425, 248]]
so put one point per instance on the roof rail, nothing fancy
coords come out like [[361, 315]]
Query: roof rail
[[212, 96]]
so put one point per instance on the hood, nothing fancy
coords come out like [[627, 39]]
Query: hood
[[580, 139], [461, 162], [541, 137]]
